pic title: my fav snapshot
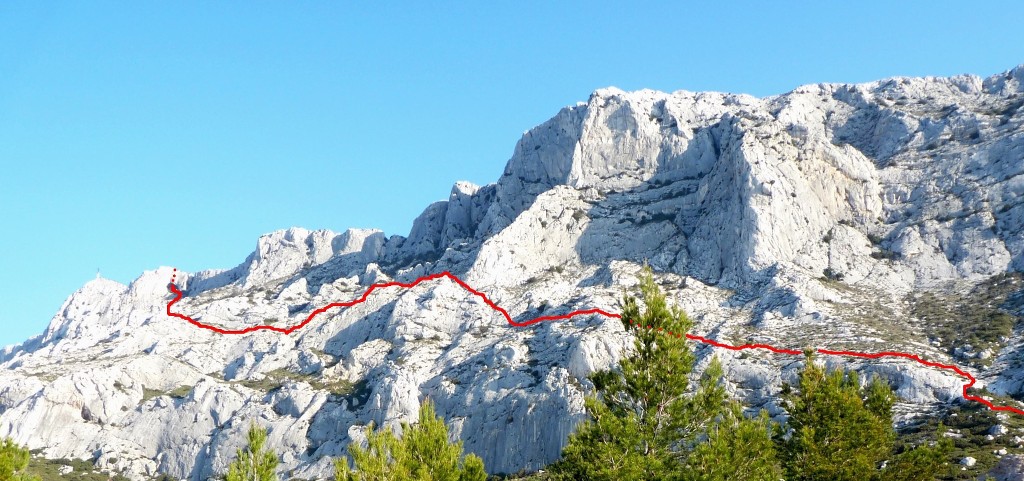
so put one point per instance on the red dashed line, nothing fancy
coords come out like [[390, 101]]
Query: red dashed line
[[448, 275]]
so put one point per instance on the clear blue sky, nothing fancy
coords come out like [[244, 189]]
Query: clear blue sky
[[138, 134]]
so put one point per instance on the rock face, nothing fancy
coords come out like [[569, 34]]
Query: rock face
[[804, 219]]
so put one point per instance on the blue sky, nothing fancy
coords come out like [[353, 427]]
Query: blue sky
[[138, 134]]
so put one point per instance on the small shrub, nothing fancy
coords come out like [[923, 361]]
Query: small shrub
[[884, 254], [832, 274]]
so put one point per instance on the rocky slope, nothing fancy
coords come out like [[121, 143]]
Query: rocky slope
[[813, 218]]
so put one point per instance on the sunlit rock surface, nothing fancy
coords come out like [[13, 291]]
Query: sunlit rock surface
[[805, 219]]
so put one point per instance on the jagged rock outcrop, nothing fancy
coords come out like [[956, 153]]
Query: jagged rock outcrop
[[805, 219]]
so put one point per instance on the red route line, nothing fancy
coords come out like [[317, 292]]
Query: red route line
[[711, 342]]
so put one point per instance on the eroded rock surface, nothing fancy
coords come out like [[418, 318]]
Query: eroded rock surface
[[805, 219]]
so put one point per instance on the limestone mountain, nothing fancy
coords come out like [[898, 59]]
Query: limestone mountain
[[872, 217]]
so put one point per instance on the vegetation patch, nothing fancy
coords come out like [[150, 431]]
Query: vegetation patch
[[884, 254], [832, 274], [969, 426], [179, 392], [273, 381], [981, 318], [49, 470], [45, 377]]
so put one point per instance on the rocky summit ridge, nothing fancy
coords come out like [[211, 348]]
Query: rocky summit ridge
[[842, 216]]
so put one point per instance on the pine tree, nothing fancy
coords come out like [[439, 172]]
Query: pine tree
[[641, 422], [473, 469], [737, 448], [383, 459], [422, 453], [837, 434], [13, 462], [843, 431], [255, 463]]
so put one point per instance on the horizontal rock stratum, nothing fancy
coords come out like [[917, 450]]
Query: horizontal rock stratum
[[820, 217]]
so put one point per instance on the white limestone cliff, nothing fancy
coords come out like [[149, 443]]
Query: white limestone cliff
[[743, 206]]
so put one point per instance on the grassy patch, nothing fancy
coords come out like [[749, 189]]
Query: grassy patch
[[45, 377], [48, 470], [148, 393], [178, 393], [273, 381], [359, 392], [982, 318]]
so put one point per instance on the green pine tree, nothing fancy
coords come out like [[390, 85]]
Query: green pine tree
[[383, 459], [737, 448], [473, 469], [842, 430], [14, 462], [255, 463], [423, 453], [641, 422]]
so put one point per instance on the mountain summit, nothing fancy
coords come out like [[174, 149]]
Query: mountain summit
[[873, 217]]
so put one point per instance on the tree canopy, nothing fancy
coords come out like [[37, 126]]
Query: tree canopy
[[842, 430], [14, 462], [422, 453], [255, 462], [642, 423]]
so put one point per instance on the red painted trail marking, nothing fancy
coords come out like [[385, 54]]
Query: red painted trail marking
[[448, 275]]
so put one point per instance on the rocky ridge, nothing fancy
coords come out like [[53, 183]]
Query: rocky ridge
[[812, 218]]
